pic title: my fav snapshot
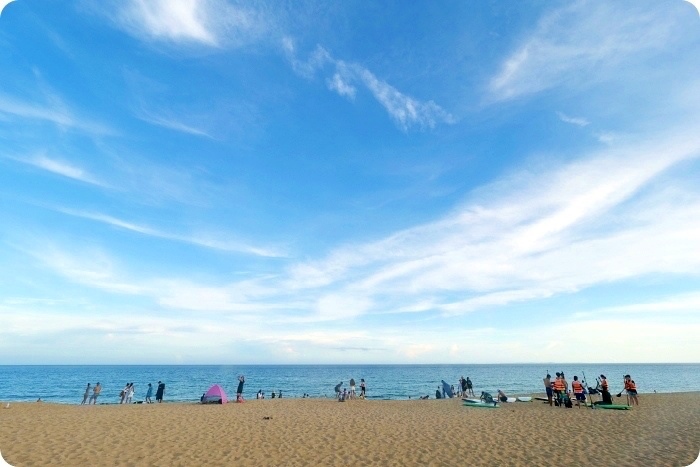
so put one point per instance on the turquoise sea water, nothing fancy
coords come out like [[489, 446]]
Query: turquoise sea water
[[66, 384]]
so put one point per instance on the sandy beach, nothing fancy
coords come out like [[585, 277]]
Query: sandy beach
[[664, 430]]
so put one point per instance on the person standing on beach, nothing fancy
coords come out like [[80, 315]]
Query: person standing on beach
[[548, 388], [470, 389], [160, 392], [86, 395], [239, 391], [352, 388], [631, 389], [566, 383], [337, 389], [95, 393], [363, 388], [149, 393], [123, 392], [579, 391], [130, 393]]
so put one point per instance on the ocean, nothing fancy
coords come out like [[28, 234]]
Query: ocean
[[186, 383]]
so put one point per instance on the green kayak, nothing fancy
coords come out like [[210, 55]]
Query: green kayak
[[481, 405], [613, 407]]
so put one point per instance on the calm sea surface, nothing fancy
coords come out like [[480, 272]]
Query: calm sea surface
[[66, 384]]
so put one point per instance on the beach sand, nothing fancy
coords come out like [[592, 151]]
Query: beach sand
[[664, 430]]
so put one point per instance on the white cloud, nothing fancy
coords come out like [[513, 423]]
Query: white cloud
[[213, 23], [204, 240], [406, 111], [3, 4], [58, 115], [578, 121], [570, 42], [62, 168], [339, 85], [173, 124]]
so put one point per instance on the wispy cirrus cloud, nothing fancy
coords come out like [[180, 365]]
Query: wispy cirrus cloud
[[172, 124], [204, 240], [62, 168], [212, 23], [58, 115], [583, 36], [525, 238], [406, 111], [578, 121]]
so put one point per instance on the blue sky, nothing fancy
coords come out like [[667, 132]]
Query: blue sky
[[349, 182]]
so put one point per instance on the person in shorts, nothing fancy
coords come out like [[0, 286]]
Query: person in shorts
[[631, 389], [547, 380], [95, 393], [579, 391]]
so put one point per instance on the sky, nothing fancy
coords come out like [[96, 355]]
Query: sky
[[306, 182]]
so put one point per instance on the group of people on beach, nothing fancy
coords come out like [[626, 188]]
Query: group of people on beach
[[126, 395], [87, 398], [345, 394], [559, 393]]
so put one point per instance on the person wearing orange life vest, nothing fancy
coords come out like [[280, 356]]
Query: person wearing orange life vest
[[579, 391], [559, 388], [631, 389]]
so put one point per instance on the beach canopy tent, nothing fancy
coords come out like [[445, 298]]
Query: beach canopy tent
[[215, 395]]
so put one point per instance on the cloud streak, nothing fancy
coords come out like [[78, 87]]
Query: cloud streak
[[575, 39], [203, 240], [406, 111]]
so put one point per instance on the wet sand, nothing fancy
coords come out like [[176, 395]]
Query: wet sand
[[664, 430]]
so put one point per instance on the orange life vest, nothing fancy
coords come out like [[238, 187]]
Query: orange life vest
[[630, 386], [559, 385], [578, 387]]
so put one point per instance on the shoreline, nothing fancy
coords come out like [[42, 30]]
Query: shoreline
[[663, 430], [326, 398]]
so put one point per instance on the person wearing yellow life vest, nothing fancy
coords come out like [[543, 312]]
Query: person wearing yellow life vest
[[579, 391], [631, 389]]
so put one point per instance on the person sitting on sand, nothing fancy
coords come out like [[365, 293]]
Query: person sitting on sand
[[502, 396], [427, 396], [631, 389], [438, 395]]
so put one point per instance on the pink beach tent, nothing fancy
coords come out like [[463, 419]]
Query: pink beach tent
[[215, 395]]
